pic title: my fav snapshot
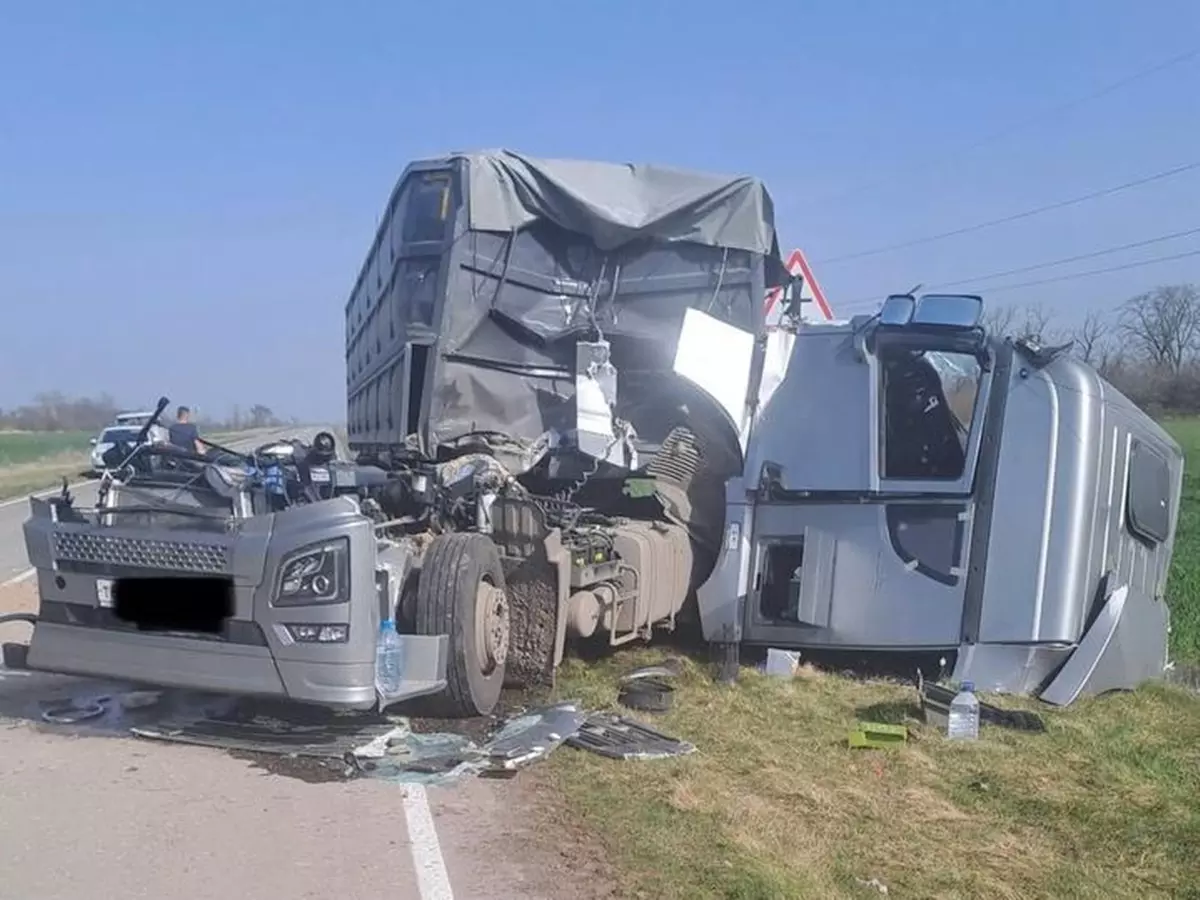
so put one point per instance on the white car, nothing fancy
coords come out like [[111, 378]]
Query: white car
[[107, 439], [158, 433]]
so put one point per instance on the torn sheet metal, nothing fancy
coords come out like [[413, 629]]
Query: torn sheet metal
[[533, 736], [620, 738], [935, 710], [275, 729], [404, 756]]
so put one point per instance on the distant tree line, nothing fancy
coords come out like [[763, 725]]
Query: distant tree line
[[55, 411], [1148, 347]]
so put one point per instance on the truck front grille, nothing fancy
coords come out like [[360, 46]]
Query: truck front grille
[[142, 553]]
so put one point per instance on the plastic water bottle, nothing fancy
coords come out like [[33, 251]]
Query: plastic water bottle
[[388, 663], [964, 714]]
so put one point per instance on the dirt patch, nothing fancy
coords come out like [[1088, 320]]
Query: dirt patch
[[306, 769], [517, 838], [575, 859]]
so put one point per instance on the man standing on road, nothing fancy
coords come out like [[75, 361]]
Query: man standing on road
[[183, 433]]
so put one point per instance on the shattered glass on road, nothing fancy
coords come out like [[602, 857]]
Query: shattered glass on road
[[355, 744]]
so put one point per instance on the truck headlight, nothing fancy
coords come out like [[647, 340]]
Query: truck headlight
[[316, 574]]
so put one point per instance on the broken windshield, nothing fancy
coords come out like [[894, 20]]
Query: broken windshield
[[959, 374]]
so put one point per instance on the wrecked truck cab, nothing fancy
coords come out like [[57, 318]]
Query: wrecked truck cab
[[181, 580], [925, 487]]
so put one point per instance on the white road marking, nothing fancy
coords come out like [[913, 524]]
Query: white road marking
[[24, 498], [17, 579], [433, 882]]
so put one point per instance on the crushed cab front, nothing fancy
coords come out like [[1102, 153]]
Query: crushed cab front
[[311, 639]]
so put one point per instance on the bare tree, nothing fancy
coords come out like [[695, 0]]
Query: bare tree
[[1033, 321], [999, 319], [1164, 324], [1091, 338]]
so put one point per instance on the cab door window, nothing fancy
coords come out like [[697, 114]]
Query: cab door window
[[929, 399]]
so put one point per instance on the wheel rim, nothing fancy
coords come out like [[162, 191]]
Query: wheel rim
[[491, 627]]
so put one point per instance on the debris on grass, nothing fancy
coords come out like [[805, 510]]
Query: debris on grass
[[877, 736], [782, 663], [617, 737], [1100, 804], [647, 694]]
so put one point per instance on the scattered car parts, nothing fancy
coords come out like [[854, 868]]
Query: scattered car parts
[[617, 737], [935, 709], [647, 694]]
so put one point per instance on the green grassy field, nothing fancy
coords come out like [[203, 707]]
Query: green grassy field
[[775, 806], [31, 461], [1183, 590], [18, 447]]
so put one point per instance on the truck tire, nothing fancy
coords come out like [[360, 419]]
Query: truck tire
[[462, 593]]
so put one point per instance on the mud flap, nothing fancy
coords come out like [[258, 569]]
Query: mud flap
[[538, 589]]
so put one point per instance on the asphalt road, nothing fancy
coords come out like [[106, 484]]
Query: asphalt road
[[85, 815]]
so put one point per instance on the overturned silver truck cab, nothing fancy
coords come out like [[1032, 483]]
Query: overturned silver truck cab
[[914, 484]]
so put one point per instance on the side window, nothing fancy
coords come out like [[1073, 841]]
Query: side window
[[928, 404], [1148, 494], [427, 203]]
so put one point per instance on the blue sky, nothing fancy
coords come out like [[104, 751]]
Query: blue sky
[[187, 190]]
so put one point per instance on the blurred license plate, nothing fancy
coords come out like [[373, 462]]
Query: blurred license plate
[[104, 592], [320, 475]]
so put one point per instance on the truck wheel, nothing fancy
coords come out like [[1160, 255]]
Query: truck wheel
[[462, 593]]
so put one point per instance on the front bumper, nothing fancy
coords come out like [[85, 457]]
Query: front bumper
[[206, 665]]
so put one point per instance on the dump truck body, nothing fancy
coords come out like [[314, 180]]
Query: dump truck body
[[526, 353]]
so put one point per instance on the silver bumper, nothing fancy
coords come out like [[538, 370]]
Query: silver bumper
[[199, 664]]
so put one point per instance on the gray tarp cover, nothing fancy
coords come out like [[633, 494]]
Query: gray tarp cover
[[546, 253], [613, 204]]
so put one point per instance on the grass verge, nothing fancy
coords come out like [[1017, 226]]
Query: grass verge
[[19, 447], [775, 805], [1183, 589]]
